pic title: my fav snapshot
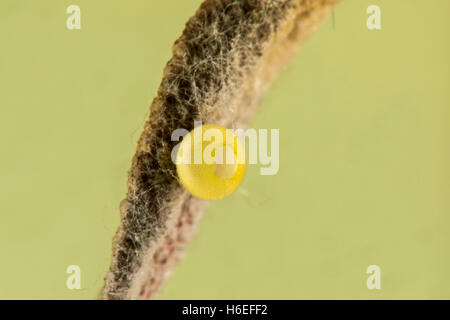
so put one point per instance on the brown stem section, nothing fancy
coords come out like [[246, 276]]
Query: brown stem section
[[226, 58]]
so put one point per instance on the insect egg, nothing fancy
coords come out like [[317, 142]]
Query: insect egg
[[210, 162]]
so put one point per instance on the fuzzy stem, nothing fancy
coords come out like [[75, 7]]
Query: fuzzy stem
[[226, 58]]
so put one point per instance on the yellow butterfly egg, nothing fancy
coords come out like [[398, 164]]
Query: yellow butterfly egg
[[210, 162]]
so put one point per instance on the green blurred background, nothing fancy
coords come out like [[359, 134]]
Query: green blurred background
[[364, 149]]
